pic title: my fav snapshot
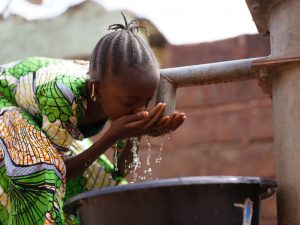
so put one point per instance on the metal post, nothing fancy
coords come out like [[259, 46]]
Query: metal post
[[280, 72], [284, 29]]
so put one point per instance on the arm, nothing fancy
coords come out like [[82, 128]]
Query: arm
[[162, 126], [133, 125], [75, 165]]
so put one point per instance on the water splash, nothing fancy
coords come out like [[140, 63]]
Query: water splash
[[142, 177], [126, 168], [115, 147], [159, 156], [148, 171], [136, 163], [149, 150], [169, 135]]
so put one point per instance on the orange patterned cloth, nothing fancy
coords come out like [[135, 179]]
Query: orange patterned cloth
[[41, 102]]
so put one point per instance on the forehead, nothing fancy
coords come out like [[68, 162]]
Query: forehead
[[134, 80]]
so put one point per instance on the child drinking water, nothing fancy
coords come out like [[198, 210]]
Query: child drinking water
[[46, 104]]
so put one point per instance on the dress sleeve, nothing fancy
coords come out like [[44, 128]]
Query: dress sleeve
[[50, 91], [61, 108]]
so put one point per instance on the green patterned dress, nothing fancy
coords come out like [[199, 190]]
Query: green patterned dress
[[41, 102]]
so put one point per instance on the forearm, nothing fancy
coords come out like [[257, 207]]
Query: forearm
[[75, 165], [125, 158]]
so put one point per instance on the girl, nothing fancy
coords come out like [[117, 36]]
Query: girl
[[46, 104]]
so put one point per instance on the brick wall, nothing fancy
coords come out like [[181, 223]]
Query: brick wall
[[229, 128]]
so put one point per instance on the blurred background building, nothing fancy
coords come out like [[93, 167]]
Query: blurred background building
[[229, 128]]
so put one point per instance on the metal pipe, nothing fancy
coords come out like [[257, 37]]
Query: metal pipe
[[212, 73], [166, 93]]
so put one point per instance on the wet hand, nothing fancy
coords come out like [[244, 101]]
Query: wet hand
[[167, 124], [136, 124]]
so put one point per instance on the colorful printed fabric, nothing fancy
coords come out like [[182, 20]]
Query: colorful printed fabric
[[100, 174], [41, 102], [51, 91]]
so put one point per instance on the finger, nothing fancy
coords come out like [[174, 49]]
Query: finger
[[141, 125], [155, 134], [162, 121], [154, 116], [178, 121], [168, 122], [172, 124], [159, 132], [156, 109], [135, 117]]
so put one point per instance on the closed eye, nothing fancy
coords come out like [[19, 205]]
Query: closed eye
[[130, 103]]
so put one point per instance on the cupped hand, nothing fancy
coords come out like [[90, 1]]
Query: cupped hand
[[167, 124], [135, 124]]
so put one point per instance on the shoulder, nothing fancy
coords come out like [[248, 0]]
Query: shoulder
[[24, 66], [33, 64]]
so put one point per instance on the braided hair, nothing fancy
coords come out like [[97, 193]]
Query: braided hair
[[122, 47]]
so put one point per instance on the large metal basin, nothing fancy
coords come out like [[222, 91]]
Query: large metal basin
[[212, 200]]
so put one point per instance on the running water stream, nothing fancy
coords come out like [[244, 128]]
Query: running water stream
[[136, 162], [148, 170]]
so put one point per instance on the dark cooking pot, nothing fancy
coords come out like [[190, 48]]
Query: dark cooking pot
[[211, 200]]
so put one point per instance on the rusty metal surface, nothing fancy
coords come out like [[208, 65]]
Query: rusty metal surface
[[275, 63], [267, 68]]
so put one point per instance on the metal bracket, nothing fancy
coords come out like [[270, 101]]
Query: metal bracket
[[265, 80], [266, 69]]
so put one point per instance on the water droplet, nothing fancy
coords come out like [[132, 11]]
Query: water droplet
[[148, 171], [115, 147], [169, 135], [159, 156], [135, 161], [149, 150], [142, 177]]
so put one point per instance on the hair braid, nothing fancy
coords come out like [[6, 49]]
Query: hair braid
[[122, 47]]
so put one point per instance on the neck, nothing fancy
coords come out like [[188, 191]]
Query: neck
[[93, 114]]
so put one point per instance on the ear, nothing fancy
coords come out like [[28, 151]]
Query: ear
[[94, 87]]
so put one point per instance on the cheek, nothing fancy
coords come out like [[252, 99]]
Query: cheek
[[115, 111]]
